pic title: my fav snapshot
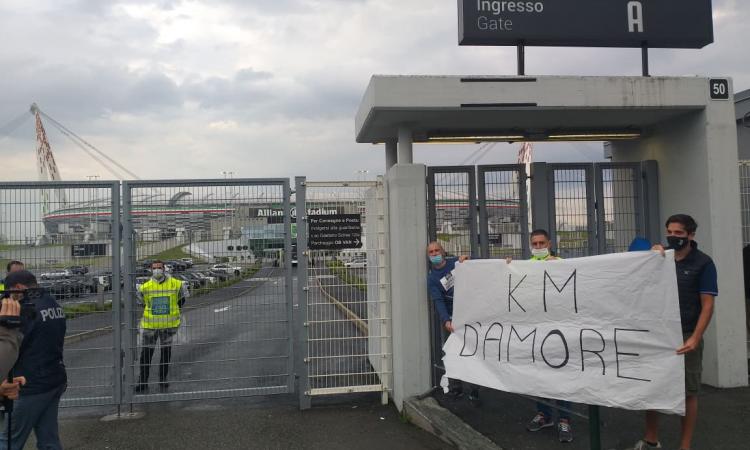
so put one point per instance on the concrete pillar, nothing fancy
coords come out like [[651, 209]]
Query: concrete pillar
[[405, 146], [407, 192], [697, 160], [391, 153]]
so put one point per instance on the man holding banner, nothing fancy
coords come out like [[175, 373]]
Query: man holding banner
[[440, 288], [541, 250], [599, 330], [697, 286]]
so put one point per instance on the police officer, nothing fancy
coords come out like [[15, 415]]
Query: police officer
[[162, 298], [12, 266], [40, 362]]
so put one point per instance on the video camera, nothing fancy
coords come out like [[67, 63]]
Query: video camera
[[28, 310]]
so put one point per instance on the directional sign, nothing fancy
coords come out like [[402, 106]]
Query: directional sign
[[80, 250], [334, 232], [586, 23]]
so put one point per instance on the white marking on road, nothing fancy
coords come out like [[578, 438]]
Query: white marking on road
[[224, 309]]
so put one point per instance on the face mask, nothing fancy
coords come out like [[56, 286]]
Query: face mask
[[157, 273], [436, 260], [677, 243], [540, 252]]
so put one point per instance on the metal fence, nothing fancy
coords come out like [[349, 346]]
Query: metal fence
[[572, 210], [744, 167], [587, 208], [67, 235], [592, 209], [229, 241], [451, 209], [344, 293], [503, 211]]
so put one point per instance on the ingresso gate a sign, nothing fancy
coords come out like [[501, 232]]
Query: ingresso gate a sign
[[586, 23]]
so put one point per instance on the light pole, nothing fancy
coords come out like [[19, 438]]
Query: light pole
[[227, 174]]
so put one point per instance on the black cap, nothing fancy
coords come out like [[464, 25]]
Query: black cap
[[23, 277]]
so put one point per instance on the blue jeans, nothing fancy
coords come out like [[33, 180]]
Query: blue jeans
[[547, 410], [36, 412]]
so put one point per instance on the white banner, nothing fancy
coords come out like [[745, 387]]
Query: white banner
[[599, 330]]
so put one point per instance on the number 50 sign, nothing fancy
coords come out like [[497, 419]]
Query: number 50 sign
[[719, 89]]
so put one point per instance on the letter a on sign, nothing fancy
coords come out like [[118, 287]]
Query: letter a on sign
[[635, 17]]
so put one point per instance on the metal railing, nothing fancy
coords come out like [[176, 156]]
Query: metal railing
[[744, 168], [344, 293], [229, 241], [68, 235]]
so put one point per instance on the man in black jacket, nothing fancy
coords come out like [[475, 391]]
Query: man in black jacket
[[40, 362]]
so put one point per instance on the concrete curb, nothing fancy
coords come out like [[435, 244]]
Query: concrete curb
[[78, 337], [428, 415], [358, 322]]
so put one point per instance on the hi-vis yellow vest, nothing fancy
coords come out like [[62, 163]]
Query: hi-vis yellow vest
[[161, 308], [2, 287]]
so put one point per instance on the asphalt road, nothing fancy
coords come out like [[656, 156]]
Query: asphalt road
[[249, 423], [233, 338]]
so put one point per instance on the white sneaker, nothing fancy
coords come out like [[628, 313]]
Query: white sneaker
[[643, 445]]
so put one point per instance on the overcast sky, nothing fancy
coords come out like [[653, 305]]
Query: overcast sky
[[266, 88]]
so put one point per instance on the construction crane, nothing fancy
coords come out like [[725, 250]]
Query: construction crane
[[46, 161]]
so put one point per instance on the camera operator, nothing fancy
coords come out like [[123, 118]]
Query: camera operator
[[10, 338], [40, 361]]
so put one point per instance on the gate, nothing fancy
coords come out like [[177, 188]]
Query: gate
[[68, 235], [343, 290], [587, 208], [230, 241]]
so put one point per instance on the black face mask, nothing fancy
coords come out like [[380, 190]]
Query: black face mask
[[677, 243]]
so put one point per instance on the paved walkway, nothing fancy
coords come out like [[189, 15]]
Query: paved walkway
[[254, 423], [723, 423]]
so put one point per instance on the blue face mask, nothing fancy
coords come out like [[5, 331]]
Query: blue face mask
[[436, 260]]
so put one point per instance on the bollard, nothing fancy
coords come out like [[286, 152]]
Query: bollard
[[595, 436]]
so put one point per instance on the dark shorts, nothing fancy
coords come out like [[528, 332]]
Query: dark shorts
[[693, 368]]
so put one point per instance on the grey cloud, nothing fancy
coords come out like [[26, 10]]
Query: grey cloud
[[86, 92], [240, 92], [250, 74]]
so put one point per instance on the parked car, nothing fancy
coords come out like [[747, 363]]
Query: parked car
[[193, 276], [95, 279], [78, 270], [142, 272], [188, 261], [177, 265], [75, 287], [226, 268], [209, 279], [57, 290], [357, 263], [219, 276], [192, 282], [55, 275]]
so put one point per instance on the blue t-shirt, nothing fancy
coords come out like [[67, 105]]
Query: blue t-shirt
[[696, 274], [442, 297]]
